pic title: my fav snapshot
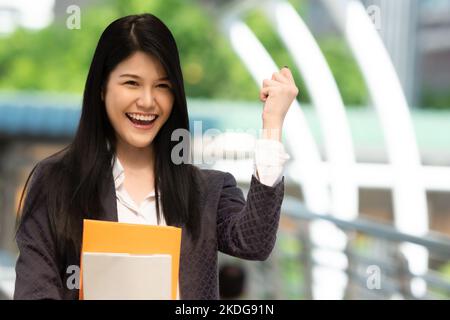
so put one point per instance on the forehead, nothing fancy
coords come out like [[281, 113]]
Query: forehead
[[142, 65]]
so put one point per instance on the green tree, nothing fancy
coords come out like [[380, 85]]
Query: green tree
[[57, 58]]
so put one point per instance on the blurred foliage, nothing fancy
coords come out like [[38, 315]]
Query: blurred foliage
[[435, 100], [57, 58], [344, 69]]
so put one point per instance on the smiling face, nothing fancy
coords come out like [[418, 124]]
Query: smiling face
[[138, 100]]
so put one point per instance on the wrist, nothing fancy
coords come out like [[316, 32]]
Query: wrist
[[273, 120], [272, 129]]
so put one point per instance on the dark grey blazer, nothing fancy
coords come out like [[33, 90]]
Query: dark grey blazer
[[230, 224]]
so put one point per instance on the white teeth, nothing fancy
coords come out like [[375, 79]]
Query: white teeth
[[142, 117]]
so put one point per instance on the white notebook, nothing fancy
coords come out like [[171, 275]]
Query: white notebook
[[121, 276]]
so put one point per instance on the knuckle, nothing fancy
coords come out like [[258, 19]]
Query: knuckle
[[293, 90]]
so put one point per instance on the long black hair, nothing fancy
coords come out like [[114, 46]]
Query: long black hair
[[72, 185]]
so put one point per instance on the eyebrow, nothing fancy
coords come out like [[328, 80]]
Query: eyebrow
[[135, 76]]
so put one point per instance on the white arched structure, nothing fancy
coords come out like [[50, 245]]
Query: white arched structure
[[328, 283], [410, 207], [331, 187]]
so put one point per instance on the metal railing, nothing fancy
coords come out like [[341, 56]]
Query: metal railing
[[372, 263]]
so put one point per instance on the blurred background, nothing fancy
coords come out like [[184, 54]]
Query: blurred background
[[367, 207]]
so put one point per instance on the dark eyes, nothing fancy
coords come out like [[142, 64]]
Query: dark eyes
[[131, 82], [163, 85], [135, 84]]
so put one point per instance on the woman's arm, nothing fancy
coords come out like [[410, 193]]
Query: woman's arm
[[247, 229], [37, 272]]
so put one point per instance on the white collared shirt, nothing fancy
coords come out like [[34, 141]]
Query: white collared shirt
[[128, 210]]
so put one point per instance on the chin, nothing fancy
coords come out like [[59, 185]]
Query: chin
[[142, 144], [139, 143]]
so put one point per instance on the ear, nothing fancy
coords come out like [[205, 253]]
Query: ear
[[102, 93]]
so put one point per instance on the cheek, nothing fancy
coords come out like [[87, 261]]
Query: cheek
[[111, 110], [166, 104], [116, 101]]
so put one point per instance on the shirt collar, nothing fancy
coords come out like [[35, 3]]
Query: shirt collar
[[118, 172], [119, 175]]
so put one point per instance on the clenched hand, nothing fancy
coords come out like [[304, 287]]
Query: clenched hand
[[277, 93]]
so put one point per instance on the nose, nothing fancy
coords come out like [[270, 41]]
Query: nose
[[145, 99]]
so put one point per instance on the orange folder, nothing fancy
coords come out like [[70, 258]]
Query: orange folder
[[115, 237]]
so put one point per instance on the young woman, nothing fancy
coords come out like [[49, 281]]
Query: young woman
[[119, 168]]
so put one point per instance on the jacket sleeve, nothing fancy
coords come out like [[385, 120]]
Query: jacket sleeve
[[37, 275], [247, 228]]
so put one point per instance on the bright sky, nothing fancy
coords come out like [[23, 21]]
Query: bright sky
[[33, 14]]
